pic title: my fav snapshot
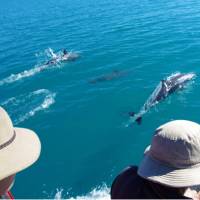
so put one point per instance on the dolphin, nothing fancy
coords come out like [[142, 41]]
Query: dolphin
[[71, 56], [166, 87], [107, 77]]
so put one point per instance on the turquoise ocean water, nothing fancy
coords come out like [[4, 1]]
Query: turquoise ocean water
[[81, 125]]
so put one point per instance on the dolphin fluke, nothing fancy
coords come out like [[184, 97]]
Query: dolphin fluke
[[139, 120]]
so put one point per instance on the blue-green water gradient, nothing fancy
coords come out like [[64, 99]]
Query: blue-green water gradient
[[81, 125]]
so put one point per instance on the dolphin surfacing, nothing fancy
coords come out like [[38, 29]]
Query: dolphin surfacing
[[58, 58], [166, 87]]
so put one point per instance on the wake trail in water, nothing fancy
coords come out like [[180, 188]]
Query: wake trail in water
[[25, 106], [31, 72], [25, 74], [54, 61]]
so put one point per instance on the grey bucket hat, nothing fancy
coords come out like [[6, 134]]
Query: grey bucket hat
[[173, 159]]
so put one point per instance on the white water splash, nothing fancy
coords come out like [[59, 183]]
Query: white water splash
[[99, 193], [25, 106], [58, 194]]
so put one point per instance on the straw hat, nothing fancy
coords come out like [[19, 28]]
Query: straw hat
[[19, 147], [173, 159]]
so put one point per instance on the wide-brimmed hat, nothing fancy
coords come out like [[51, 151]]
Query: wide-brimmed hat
[[173, 159], [19, 147]]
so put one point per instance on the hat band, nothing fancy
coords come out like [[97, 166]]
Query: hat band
[[8, 142]]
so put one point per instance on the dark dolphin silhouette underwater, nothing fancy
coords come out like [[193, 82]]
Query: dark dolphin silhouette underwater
[[107, 77]]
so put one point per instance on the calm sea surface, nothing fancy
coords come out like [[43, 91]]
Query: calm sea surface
[[82, 125]]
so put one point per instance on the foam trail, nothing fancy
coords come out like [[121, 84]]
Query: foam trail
[[99, 193], [31, 72], [25, 74], [26, 106], [48, 101]]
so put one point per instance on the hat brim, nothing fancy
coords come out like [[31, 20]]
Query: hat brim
[[20, 154], [155, 171]]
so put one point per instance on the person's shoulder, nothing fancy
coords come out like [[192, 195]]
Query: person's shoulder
[[130, 170], [126, 173], [123, 181]]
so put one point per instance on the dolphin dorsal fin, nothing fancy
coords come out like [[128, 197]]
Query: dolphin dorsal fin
[[139, 120]]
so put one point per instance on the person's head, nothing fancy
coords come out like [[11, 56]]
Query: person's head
[[173, 158], [19, 148]]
